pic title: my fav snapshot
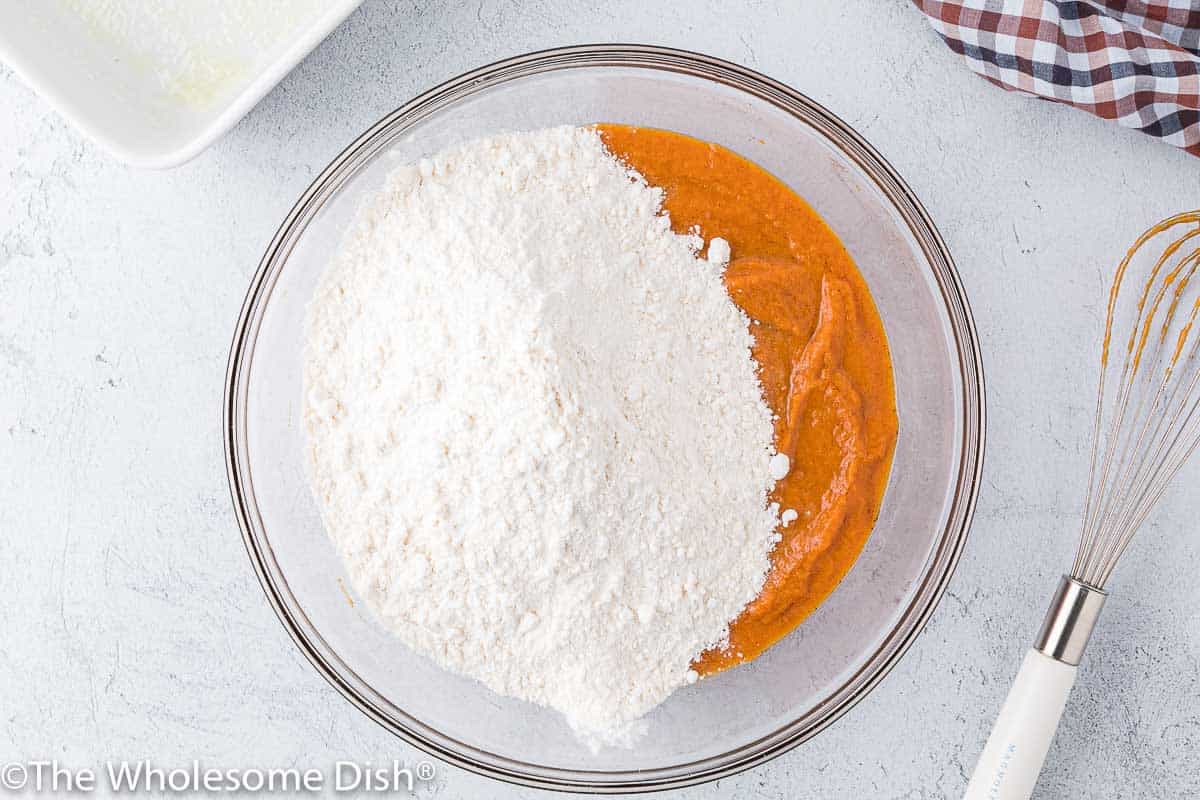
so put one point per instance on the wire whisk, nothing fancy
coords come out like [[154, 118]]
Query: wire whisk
[[1147, 426], [1155, 426]]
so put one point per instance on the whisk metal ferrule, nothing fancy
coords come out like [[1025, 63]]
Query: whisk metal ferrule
[[1069, 620]]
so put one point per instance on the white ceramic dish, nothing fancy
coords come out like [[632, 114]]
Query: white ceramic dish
[[120, 102]]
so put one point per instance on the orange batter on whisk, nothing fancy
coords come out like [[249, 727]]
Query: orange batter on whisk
[[825, 367], [1181, 285]]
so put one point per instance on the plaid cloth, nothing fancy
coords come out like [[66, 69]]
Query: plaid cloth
[[1133, 61]]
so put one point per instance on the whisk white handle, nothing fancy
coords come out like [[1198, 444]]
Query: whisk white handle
[[1013, 756]]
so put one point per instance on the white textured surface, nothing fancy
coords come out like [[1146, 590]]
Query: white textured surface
[[131, 624]]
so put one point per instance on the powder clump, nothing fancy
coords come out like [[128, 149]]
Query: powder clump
[[536, 431]]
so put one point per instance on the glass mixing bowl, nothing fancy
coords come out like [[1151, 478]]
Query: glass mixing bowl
[[741, 717]]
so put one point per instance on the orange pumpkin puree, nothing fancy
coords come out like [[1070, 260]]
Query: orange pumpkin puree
[[824, 365]]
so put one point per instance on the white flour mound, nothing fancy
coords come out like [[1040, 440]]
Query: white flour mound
[[536, 431]]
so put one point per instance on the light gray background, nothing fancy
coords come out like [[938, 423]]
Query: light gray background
[[131, 624]]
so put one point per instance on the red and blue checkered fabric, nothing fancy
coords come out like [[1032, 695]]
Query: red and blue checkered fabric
[[1133, 61]]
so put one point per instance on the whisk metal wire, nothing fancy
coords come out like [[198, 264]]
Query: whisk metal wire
[[1154, 417]]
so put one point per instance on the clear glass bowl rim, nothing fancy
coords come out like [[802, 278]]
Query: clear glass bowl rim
[[941, 564]]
